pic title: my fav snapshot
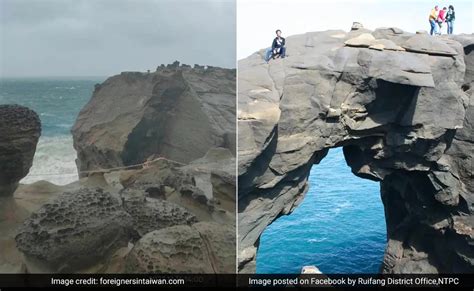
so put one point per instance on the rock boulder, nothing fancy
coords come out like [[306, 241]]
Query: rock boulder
[[20, 129]]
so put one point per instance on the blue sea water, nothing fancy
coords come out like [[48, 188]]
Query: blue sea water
[[57, 101], [339, 227]]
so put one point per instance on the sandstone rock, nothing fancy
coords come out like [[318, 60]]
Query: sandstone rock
[[74, 231], [220, 242], [205, 187], [356, 26], [199, 249], [387, 44], [377, 46], [403, 118], [363, 40], [176, 112], [220, 164], [427, 44], [310, 270], [20, 129], [149, 214]]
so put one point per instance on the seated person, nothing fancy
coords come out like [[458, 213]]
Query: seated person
[[278, 48]]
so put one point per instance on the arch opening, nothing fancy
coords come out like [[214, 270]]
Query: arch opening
[[339, 227]]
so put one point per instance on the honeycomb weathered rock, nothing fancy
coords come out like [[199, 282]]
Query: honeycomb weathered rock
[[75, 230]]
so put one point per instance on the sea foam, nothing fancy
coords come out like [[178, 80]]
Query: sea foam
[[54, 161]]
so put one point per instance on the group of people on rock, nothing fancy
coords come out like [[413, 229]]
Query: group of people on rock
[[437, 18], [440, 16]]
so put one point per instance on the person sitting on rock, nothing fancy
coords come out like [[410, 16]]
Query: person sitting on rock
[[433, 17], [441, 18], [278, 48]]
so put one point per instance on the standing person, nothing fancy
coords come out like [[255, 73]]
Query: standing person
[[433, 17], [450, 17], [441, 18]]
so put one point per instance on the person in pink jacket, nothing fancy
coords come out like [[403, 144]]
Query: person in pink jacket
[[441, 18]]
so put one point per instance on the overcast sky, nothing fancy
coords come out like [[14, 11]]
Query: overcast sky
[[105, 37], [257, 20]]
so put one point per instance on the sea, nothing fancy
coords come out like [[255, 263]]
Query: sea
[[339, 227], [57, 101]]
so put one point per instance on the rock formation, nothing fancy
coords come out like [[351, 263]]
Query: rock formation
[[20, 129], [179, 125], [403, 113], [177, 112], [202, 248], [74, 231], [89, 227]]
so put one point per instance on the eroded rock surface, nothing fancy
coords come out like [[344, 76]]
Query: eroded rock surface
[[20, 129], [403, 117], [177, 112], [149, 214], [74, 231], [206, 187], [202, 248], [178, 124]]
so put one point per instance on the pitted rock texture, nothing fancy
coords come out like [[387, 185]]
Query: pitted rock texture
[[177, 112], [74, 231], [206, 187], [20, 129], [200, 249], [403, 118], [150, 214]]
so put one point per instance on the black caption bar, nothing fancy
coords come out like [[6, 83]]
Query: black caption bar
[[303, 281], [450, 281]]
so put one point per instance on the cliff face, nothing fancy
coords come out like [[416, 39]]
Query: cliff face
[[400, 105], [177, 112]]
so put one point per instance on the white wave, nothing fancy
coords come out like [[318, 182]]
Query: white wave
[[341, 206], [54, 161], [67, 88], [316, 240]]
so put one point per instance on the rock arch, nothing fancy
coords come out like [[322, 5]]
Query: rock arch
[[402, 113]]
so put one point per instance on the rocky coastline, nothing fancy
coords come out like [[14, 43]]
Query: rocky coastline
[[156, 185]]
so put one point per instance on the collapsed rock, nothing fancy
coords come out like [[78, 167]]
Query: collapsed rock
[[206, 186], [20, 129], [176, 112]]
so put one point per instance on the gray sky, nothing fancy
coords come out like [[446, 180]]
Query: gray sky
[[105, 37], [257, 20]]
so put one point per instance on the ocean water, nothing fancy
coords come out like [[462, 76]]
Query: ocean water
[[57, 101], [339, 227]]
